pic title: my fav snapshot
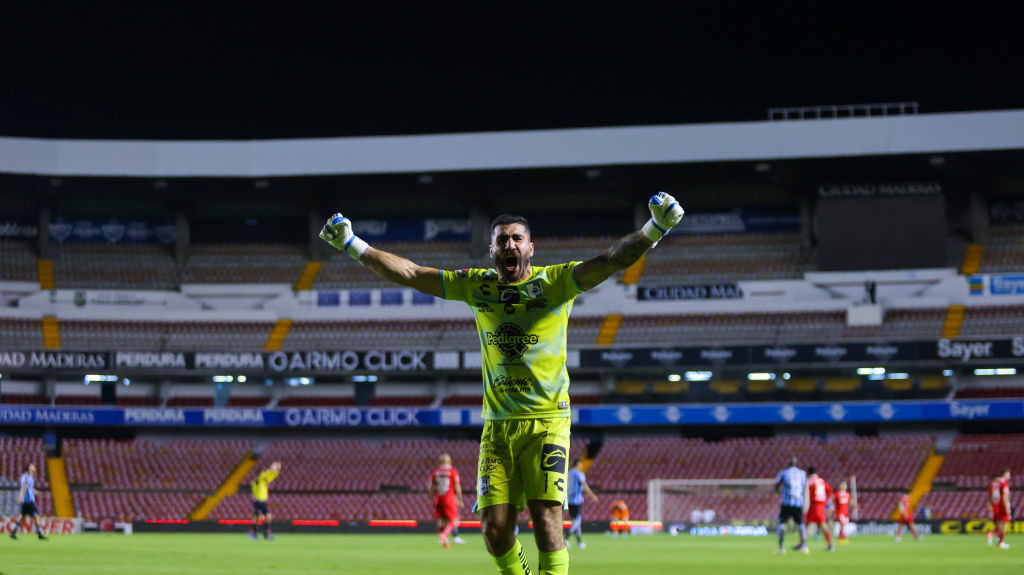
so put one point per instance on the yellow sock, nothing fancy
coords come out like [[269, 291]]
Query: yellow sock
[[554, 562], [514, 562]]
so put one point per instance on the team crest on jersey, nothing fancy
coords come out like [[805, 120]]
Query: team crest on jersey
[[534, 289], [553, 458], [511, 340]]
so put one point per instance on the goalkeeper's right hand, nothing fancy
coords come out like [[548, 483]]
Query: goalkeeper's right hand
[[338, 232]]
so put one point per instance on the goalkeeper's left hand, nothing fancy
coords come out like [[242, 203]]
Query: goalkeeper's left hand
[[338, 232], [666, 213]]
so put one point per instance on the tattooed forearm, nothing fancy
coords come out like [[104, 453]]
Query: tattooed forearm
[[620, 256], [628, 250]]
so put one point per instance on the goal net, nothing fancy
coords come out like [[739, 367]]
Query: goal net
[[712, 501]]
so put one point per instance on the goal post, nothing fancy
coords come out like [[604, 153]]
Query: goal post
[[713, 500]]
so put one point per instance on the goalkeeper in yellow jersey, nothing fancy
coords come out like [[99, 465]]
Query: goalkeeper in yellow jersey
[[261, 515], [522, 313]]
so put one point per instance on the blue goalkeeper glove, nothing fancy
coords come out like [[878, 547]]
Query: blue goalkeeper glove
[[338, 232], [666, 213]]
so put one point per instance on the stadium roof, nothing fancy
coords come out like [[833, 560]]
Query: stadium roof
[[719, 142]]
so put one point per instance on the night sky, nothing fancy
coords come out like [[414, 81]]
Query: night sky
[[245, 72]]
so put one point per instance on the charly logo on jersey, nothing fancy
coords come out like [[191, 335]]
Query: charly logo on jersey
[[511, 340]]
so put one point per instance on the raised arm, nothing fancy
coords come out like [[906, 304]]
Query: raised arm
[[666, 213], [396, 269]]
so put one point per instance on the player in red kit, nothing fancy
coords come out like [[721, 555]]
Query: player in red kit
[[447, 493], [818, 494], [842, 500], [906, 517], [999, 497]]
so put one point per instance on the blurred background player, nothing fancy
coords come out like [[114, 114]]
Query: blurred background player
[[843, 503], [261, 515], [27, 497], [906, 517], [620, 518], [577, 489], [999, 497], [818, 494], [793, 482], [446, 490]]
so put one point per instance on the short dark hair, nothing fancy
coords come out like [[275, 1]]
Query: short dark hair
[[1004, 471], [506, 219], [810, 470], [575, 462]]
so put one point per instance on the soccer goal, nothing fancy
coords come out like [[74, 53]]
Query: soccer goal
[[710, 501]]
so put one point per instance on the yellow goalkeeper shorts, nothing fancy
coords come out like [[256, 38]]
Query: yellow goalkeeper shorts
[[523, 460]]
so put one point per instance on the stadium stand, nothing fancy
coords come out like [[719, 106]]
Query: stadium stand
[[971, 460], [17, 261], [963, 504], [989, 392], [17, 333], [880, 463], [1004, 250], [265, 263], [121, 266], [86, 335], [388, 334], [175, 464], [992, 321], [15, 453], [725, 257], [134, 505]]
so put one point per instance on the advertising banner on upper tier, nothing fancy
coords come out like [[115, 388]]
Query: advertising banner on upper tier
[[996, 285], [945, 350], [602, 416], [416, 229], [112, 231], [278, 362], [18, 228], [740, 220], [689, 292]]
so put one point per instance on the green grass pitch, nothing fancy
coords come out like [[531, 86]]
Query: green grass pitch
[[294, 554]]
